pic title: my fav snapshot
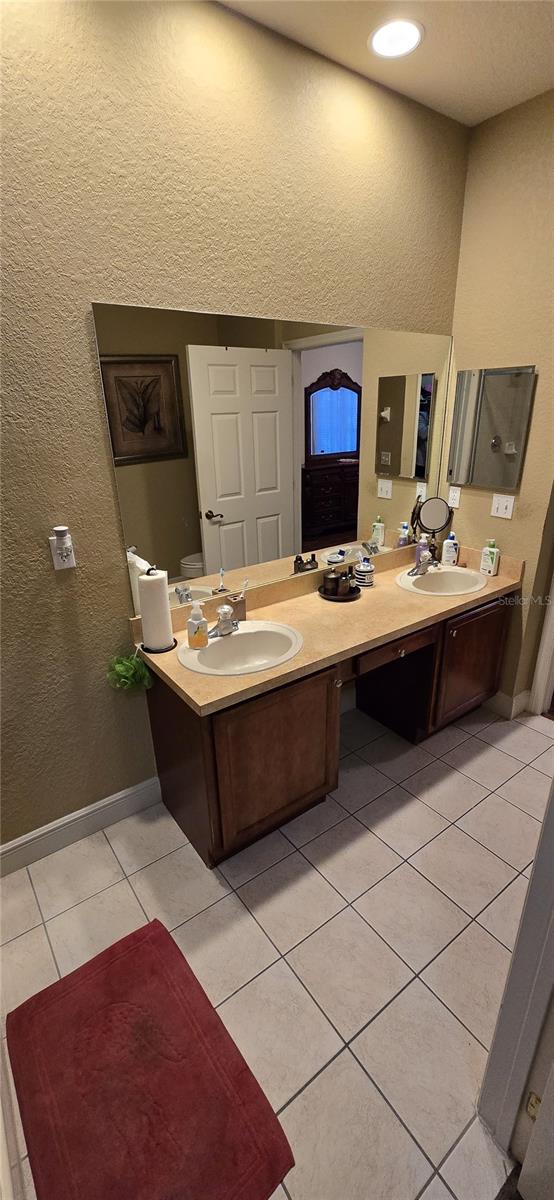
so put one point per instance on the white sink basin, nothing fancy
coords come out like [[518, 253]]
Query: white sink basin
[[255, 646], [443, 581]]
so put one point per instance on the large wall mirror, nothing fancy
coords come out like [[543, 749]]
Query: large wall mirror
[[492, 415], [238, 441]]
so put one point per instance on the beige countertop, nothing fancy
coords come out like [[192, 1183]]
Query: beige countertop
[[332, 633]]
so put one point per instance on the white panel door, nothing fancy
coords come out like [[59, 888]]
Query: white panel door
[[241, 404]]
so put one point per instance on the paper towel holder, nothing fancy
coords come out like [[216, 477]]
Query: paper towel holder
[[166, 649]]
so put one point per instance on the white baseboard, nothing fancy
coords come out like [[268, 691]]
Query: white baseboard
[[509, 706], [76, 825]]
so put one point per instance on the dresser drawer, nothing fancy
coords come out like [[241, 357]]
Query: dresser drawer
[[397, 649]]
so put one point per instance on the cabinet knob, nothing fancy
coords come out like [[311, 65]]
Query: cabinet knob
[[453, 633], [401, 653], [338, 682]]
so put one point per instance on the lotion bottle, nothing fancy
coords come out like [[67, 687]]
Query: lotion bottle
[[490, 558], [450, 550], [197, 627], [378, 532]]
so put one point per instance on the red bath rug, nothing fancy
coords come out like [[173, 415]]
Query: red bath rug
[[130, 1087]]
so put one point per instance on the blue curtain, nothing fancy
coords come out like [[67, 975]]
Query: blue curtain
[[334, 421]]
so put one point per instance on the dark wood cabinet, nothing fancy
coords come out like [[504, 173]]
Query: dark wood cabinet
[[276, 754], [471, 660], [230, 777], [233, 776], [329, 501]]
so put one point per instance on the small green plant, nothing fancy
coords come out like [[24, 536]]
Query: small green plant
[[128, 673]]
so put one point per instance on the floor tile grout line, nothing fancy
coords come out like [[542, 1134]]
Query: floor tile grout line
[[279, 1111], [509, 720], [9, 941], [510, 777], [459, 1138], [46, 931], [498, 793], [172, 928], [453, 1014], [392, 1108], [345, 1049], [128, 882], [415, 974], [85, 899], [447, 1185], [387, 844], [482, 844], [335, 888]]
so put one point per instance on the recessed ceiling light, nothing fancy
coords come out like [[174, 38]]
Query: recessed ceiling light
[[396, 38]]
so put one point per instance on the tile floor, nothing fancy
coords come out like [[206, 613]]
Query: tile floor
[[357, 956]]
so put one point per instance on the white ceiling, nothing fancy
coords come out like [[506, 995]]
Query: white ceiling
[[478, 57]]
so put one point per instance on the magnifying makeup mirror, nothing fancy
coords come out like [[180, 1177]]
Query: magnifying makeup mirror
[[432, 515]]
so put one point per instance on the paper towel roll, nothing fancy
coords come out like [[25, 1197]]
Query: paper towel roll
[[137, 566], [157, 633]]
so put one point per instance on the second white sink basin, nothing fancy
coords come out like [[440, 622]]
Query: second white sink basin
[[254, 646], [443, 581]]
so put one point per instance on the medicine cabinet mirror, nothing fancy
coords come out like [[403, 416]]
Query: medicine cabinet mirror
[[492, 415], [405, 412]]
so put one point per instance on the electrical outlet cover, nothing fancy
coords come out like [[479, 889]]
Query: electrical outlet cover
[[454, 497], [384, 489]]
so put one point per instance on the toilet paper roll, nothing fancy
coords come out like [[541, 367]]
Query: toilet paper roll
[[157, 632]]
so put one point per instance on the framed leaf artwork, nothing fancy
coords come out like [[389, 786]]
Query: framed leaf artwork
[[144, 407]]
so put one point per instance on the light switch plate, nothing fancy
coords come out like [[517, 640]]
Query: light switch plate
[[454, 497], [502, 506], [384, 489]]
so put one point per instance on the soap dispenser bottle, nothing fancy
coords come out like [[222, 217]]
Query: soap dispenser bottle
[[197, 627], [403, 535], [422, 546]]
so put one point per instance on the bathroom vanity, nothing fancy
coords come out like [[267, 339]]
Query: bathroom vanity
[[239, 755]]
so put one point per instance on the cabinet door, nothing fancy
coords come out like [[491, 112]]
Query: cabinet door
[[276, 755], [471, 662]]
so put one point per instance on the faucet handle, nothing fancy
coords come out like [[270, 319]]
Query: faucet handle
[[225, 612]]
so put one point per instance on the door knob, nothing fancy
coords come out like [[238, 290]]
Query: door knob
[[211, 516]]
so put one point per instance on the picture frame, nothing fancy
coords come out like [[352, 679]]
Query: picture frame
[[144, 407]]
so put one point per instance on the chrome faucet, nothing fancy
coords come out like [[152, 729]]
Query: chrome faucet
[[184, 594], [226, 622], [426, 561]]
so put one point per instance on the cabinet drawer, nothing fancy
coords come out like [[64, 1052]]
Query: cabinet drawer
[[393, 650]]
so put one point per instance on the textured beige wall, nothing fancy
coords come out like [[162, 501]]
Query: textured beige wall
[[504, 317], [175, 155]]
